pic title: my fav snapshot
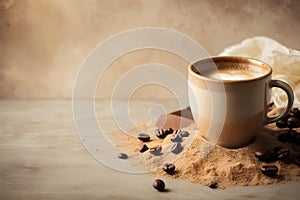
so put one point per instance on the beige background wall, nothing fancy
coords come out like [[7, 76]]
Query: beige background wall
[[43, 42]]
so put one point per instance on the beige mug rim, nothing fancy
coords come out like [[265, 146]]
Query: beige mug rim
[[231, 58]]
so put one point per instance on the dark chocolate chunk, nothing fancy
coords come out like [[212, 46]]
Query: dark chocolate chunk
[[176, 148], [176, 120], [144, 148], [176, 138]]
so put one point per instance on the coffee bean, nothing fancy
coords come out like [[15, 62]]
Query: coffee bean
[[293, 132], [297, 139], [143, 148], [296, 112], [169, 131], [122, 156], [176, 148], [276, 149], [293, 122], [283, 153], [291, 135], [159, 185], [273, 156], [288, 136], [283, 138], [144, 137], [262, 155], [169, 168], [155, 150], [281, 124], [160, 134], [184, 134], [269, 170], [176, 138], [213, 185]]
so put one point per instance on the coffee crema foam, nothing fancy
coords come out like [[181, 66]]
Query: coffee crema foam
[[234, 74]]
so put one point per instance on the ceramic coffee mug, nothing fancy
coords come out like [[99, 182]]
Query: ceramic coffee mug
[[229, 98]]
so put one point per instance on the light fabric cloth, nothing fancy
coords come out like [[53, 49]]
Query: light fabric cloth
[[285, 63]]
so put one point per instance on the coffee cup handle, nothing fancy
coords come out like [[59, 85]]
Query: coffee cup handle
[[288, 90]]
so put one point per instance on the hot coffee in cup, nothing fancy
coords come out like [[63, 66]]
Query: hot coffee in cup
[[229, 98], [234, 74]]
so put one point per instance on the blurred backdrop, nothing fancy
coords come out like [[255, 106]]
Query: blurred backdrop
[[44, 42]]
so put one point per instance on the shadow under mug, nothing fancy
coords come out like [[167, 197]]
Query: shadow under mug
[[232, 112]]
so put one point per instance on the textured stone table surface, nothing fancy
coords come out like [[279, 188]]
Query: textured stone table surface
[[41, 157]]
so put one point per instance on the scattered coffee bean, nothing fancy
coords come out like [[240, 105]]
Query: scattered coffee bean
[[144, 137], [269, 170], [176, 138], [276, 149], [169, 168], [122, 156], [297, 139], [262, 155], [288, 136], [155, 150], [273, 156], [184, 134], [161, 134], [283, 153], [293, 132], [296, 112], [169, 131], [143, 148], [176, 148], [293, 122], [284, 138], [281, 123], [213, 185], [159, 185]]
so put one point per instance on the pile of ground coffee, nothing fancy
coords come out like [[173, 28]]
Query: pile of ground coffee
[[222, 167]]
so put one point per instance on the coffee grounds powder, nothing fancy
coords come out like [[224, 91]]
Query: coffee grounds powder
[[227, 167]]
